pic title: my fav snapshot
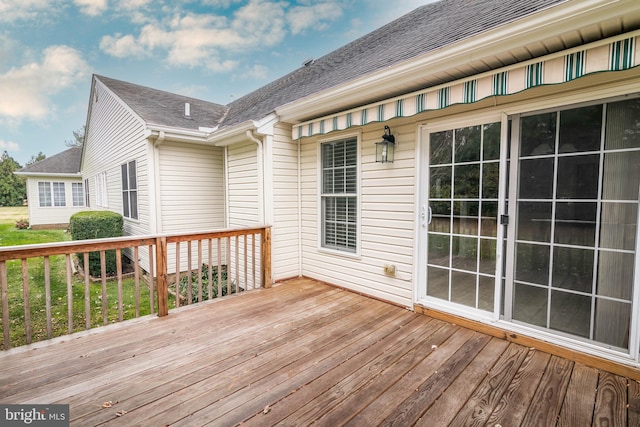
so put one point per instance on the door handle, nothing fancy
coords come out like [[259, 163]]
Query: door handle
[[426, 215]]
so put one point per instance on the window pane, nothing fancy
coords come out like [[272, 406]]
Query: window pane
[[463, 288], [570, 313], [580, 129], [438, 282], [440, 182], [538, 135], [440, 217], [621, 176], [615, 274], [491, 141], [623, 125], [134, 204], [618, 225], [438, 249], [612, 322], [576, 223], [44, 194], [573, 269], [467, 144], [59, 198], [534, 221], [123, 174], [465, 253], [578, 177], [132, 176], [440, 144], [77, 193], [489, 220], [490, 180], [532, 263], [467, 180], [486, 293], [530, 304], [488, 256], [125, 204], [536, 179], [465, 218]]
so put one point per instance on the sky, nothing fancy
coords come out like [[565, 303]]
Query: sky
[[215, 50]]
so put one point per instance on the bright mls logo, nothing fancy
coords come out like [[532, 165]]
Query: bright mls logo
[[34, 415]]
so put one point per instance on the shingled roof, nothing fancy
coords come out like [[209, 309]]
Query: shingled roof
[[426, 29], [66, 162], [165, 108]]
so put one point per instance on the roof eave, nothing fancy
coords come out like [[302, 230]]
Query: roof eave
[[52, 174], [556, 20]]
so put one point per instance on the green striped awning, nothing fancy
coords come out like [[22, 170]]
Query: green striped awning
[[616, 54]]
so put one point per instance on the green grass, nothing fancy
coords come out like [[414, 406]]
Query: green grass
[[10, 236]]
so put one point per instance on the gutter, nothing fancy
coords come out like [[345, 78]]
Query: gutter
[[260, 166]]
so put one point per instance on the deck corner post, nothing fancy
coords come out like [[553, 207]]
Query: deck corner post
[[266, 258], [161, 276]]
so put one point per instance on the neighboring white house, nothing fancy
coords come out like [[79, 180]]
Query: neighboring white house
[[55, 189], [512, 199]]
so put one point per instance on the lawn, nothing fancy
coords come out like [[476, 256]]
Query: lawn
[[9, 236]]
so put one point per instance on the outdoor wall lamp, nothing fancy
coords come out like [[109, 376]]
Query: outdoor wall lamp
[[384, 148]]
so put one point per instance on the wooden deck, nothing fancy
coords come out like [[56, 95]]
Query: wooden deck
[[302, 353]]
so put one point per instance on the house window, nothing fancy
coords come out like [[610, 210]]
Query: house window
[[87, 199], [77, 193], [339, 196], [51, 194], [129, 190], [101, 189]]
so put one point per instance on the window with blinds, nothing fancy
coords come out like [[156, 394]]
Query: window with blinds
[[339, 194]]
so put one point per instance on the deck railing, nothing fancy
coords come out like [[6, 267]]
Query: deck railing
[[39, 282]]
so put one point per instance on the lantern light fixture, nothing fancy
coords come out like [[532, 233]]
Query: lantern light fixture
[[385, 148]]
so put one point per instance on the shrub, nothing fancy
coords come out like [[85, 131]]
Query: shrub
[[22, 224], [97, 225], [204, 273]]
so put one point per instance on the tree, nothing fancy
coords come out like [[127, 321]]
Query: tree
[[78, 138], [12, 187], [35, 159]]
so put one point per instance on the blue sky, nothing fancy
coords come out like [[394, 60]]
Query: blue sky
[[216, 50]]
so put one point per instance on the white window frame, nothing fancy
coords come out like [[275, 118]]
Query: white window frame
[[321, 222], [77, 194], [101, 189], [87, 198], [129, 190], [54, 197]]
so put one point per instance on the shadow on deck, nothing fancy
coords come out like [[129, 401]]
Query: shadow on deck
[[305, 352]]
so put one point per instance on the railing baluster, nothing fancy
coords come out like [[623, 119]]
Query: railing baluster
[[47, 296], [246, 265], [25, 298], [189, 273], [253, 260], [119, 277], [152, 274], [87, 291], [219, 281], [237, 239], [199, 270], [177, 274], [69, 294], [103, 276], [229, 272], [210, 272], [136, 279], [5, 305]]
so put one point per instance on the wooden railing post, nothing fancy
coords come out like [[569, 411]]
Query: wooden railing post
[[161, 276], [266, 258]]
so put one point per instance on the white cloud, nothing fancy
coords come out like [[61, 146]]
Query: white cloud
[[27, 90], [92, 7], [17, 10], [316, 17], [257, 72], [190, 40], [9, 146]]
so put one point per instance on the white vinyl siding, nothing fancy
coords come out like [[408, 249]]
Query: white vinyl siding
[[49, 215], [286, 188], [244, 191], [386, 199], [116, 135]]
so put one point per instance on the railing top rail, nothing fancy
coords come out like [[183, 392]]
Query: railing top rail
[[63, 248]]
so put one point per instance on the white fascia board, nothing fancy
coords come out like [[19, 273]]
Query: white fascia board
[[177, 134], [232, 135], [49, 174], [557, 20]]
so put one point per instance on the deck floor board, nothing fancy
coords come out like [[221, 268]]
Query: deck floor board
[[305, 352]]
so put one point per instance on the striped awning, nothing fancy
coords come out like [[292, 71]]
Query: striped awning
[[616, 54]]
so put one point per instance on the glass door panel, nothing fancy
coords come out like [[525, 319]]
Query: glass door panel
[[463, 203], [576, 221]]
